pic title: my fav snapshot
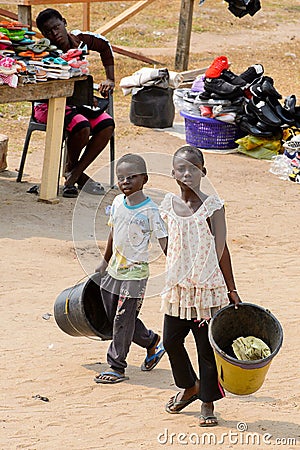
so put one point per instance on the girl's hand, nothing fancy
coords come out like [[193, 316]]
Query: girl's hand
[[234, 298]]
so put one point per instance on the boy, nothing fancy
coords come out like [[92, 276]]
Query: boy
[[134, 217]]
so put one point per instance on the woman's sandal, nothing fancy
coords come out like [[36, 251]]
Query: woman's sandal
[[179, 405], [70, 191]]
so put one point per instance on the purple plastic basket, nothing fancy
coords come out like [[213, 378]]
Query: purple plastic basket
[[204, 132]]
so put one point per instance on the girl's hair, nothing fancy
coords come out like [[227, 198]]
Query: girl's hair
[[136, 160], [192, 150], [45, 15]]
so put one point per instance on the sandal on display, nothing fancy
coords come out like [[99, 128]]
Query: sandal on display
[[40, 46]]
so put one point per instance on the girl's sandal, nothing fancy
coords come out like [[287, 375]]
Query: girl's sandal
[[208, 421]]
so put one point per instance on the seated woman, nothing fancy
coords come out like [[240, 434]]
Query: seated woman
[[91, 134]]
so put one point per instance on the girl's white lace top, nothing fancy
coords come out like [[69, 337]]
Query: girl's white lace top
[[195, 286]]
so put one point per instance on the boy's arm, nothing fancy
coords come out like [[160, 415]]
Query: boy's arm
[[107, 255], [163, 242], [218, 229]]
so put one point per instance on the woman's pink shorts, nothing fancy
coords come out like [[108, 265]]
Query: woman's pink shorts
[[75, 121]]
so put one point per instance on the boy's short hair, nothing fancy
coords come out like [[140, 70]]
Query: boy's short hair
[[45, 15], [136, 160], [192, 150]]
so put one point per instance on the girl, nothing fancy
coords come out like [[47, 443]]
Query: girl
[[199, 281]]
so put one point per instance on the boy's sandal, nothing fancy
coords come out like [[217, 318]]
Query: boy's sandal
[[70, 191], [151, 361], [110, 378], [179, 405]]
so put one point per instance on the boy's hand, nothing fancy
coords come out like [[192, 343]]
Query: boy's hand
[[234, 298], [102, 267]]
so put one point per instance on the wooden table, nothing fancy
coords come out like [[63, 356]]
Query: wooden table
[[56, 91]]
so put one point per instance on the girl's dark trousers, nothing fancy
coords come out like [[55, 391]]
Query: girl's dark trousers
[[175, 332]]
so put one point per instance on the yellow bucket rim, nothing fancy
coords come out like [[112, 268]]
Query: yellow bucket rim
[[246, 364]]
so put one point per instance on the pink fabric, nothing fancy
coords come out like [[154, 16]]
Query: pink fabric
[[41, 112], [11, 80]]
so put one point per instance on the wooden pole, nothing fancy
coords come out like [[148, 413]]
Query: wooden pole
[[3, 151], [86, 16], [24, 15], [184, 35]]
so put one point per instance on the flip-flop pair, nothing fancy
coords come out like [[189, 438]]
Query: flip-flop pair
[[41, 46], [154, 359]]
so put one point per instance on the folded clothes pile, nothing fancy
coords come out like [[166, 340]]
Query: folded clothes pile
[[146, 76]]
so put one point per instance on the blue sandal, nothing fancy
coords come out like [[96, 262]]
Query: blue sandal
[[148, 364], [111, 377]]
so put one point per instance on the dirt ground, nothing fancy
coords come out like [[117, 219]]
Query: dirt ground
[[47, 248]]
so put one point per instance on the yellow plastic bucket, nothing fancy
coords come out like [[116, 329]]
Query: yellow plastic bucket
[[236, 376]]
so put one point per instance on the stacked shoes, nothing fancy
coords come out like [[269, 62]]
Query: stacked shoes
[[258, 110], [225, 91], [264, 116], [220, 82]]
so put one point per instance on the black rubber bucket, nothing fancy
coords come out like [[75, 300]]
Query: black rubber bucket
[[79, 310], [236, 376], [152, 107]]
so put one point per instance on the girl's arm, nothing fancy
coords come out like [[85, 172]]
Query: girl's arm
[[218, 229], [226, 269], [107, 255]]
